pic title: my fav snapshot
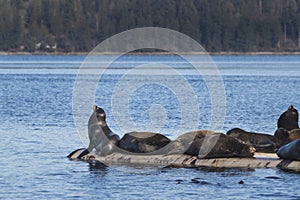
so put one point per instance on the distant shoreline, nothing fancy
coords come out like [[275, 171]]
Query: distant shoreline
[[154, 53]]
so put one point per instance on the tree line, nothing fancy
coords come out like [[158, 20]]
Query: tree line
[[218, 25]]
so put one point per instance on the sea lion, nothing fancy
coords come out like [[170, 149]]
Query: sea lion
[[182, 142], [261, 142], [143, 142], [290, 151], [194, 135], [224, 147], [294, 134], [100, 135], [283, 136], [289, 119]]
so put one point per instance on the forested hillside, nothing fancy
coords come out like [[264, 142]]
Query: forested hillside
[[219, 25]]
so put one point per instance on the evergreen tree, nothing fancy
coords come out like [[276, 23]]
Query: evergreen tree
[[218, 25]]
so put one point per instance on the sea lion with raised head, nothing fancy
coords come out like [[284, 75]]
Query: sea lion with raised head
[[100, 135], [289, 119]]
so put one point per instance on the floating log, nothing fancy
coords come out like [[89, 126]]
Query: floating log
[[260, 160]]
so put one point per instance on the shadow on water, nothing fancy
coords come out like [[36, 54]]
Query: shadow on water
[[98, 168], [103, 169], [291, 172], [230, 171], [218, 169], [209, 177]]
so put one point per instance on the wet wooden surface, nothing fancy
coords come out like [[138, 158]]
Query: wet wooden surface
[[260, 160]]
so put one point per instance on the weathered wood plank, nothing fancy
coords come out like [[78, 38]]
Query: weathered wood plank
[[261, 160]]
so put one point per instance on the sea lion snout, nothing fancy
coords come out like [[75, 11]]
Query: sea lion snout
[[100, 113], [95, 107], [252, 150]]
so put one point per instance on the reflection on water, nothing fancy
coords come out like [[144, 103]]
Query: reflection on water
[[98, 168]]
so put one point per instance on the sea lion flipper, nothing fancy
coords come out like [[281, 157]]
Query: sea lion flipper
[[74, 155], [85, 152]]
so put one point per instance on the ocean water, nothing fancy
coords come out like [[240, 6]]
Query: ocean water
[[38, 127]]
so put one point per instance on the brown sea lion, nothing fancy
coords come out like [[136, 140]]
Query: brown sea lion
[[100, 135], [106, 142], [289, 119], [143, 142], [225, 147], [294, 134], [260, 141], [283, 137], [182, 142]]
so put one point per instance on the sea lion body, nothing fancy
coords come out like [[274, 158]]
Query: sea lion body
[[224, 146], [294, 134], [182, 142], [282, 136], [143, 142], [194, 135], [290, 151], [101, 137], [261, 142], [289, 119], [209, 144]]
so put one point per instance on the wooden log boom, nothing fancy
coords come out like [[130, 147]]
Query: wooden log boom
[[260, 160]]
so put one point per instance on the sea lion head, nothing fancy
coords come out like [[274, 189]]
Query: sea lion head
[[100, 113], [291, 108]]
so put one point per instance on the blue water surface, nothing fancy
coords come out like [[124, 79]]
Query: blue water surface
[[38, 130]]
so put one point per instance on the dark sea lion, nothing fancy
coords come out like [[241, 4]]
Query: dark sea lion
[[283, 137], [194, 135], [294, 134], [143, 142], [290, 151], [100, 135], [289, 119], [225, 147], [261, 142], [182, 142]]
